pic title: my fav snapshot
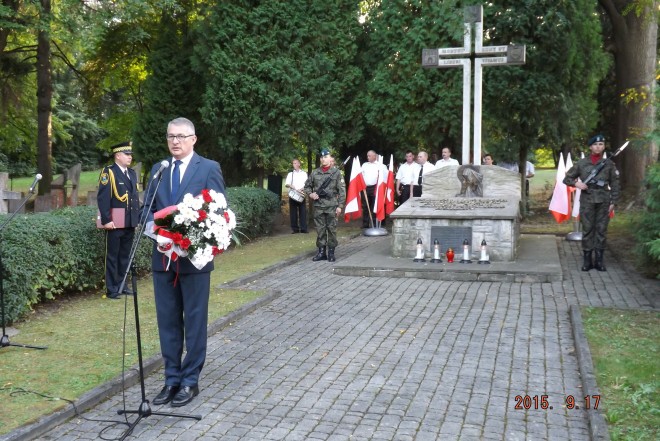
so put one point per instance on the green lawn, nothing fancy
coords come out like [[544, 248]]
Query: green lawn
[[84, 332], [625, 347]]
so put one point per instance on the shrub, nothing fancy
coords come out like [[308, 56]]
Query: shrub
[[49, 254], [648, 226], [255, 210]]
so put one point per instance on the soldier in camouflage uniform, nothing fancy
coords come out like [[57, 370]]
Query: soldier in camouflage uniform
[[597, 200], [325, 186]]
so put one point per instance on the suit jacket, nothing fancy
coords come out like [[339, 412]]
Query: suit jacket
[[116, 191], [200, 174]]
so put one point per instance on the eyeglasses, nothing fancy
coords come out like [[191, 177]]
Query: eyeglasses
[[179, 138]]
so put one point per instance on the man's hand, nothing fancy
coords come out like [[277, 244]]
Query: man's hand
[[313, 196], [581, 185], [338, 211], [109, 226]]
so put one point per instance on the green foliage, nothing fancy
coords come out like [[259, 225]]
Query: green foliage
[[551, 100], [48, 255], [168, 92], [648, 227], [278, 71], [255, 209]]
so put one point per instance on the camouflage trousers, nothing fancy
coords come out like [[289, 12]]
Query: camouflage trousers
[[594, 217], [326, 227]]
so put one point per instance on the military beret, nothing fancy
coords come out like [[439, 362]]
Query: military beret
[[596, 138], [325, 152], [124, 147]]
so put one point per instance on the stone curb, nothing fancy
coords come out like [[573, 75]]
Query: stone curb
[[597, 425], [129, 379]]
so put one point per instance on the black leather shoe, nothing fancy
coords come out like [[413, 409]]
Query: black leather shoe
[[128, 291], [185, 396], [112, 295], [166, 395]]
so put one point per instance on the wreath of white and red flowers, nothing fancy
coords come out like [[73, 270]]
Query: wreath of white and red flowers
[[199, 228]]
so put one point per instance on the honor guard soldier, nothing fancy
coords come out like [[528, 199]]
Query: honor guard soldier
[[325, 187], [597, 200], [118, 204]]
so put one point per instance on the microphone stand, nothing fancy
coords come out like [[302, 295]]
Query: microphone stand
[[4, 342], [144, 410]]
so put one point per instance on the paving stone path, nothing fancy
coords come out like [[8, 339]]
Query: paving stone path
[[353, 358]]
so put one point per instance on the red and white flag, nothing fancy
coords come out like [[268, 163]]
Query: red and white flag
[[389, 195], [576, 198], [381, 189], [559, 205], [355, 186]]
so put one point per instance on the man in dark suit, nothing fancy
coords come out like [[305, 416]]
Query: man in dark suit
[[118, 190], [182, 291]]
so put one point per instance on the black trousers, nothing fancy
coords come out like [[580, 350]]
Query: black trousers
[[405, 193], [298, 215]]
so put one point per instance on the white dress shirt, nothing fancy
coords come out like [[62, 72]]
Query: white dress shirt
[[443, 163], [370, 172], [296, 179], [408, 173]]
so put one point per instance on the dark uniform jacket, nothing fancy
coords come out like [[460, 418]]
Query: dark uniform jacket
[[604, 188], [333, 195], [116, 191]]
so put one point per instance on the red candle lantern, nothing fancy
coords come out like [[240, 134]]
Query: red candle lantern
[[450, 255]]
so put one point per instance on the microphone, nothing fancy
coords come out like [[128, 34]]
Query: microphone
[[37, 178], [163, 165]]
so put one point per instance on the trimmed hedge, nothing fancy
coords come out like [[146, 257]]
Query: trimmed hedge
[[50, 254]]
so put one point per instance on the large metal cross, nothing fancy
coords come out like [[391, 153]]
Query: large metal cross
[[483, 56]]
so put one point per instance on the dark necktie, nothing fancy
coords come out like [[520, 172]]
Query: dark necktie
[[176, 180], [126, 174], [419, 179]]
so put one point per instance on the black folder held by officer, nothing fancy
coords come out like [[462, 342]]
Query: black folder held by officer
[[118, 204]]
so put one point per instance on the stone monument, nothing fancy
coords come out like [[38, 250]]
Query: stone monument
[[451, 211]]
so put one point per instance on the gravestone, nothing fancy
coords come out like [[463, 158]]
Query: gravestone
[[443, 213], [6, 196]]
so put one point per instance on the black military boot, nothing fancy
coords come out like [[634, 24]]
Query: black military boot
[[321, 255], [331, 254], [600, 265], [587, 265]]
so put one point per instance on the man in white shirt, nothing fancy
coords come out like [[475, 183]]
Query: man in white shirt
[[295, 181], [446, 158], [407, 184], [371, 171], [425, 168]]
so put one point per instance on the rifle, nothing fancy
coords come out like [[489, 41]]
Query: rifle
[[321, 190], [601, 164]]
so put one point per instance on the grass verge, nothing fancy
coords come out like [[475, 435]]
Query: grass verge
[[84, 333], [625, 347]]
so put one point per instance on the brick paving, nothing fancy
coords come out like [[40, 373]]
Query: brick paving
[[375, 358]]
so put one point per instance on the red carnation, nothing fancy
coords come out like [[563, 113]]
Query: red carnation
[[215, 250], [185, 243], [206, 195], [201, 215], [226, 215]]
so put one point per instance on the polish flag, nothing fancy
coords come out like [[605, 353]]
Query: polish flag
[[559, 206], [381, 190], [389, 195], [576, 200], [356, 185]]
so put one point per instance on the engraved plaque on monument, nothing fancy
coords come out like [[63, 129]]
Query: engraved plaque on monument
[[451, 237]]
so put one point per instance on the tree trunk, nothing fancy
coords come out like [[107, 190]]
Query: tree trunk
[[44, 101], [635, 46]]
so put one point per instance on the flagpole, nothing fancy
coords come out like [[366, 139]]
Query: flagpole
[[371, 221]]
